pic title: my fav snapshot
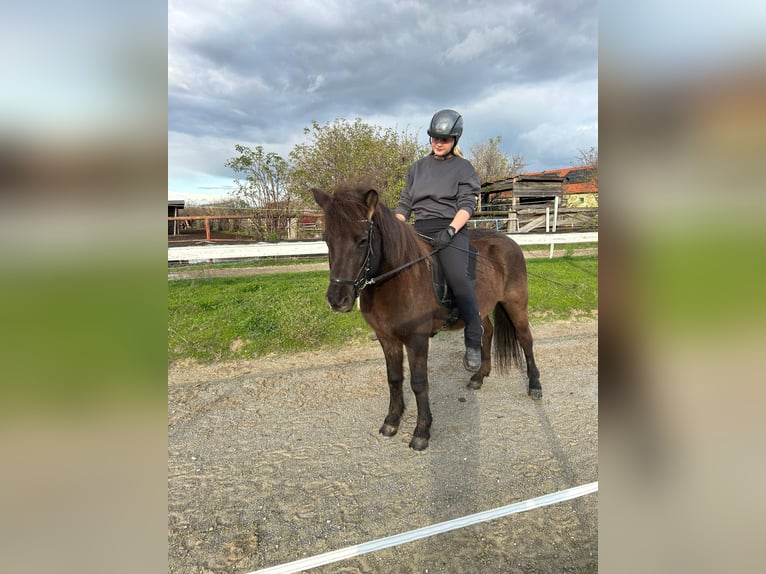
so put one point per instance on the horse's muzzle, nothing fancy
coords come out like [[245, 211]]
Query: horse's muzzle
[[341, 297]]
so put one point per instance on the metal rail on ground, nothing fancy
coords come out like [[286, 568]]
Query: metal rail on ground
[[427, 531]]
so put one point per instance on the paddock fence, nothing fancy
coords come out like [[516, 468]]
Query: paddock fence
[[222, 252], [262, 225]]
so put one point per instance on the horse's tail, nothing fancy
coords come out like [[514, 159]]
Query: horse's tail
[[508, 352]]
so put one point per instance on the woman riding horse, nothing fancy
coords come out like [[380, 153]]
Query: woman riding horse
[[441, 190]]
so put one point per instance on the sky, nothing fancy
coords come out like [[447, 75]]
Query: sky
[[258, 73]]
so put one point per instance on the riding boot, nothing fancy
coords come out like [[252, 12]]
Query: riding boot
[[472, 357]]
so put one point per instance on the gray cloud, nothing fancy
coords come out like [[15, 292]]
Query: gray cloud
[[259, 72]]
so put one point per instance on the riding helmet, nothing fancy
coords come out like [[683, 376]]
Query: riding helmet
[[446, 124]]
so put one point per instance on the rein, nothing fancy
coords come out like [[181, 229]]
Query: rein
[[388, 274], [363, 278], [487, 257], [529, 273]]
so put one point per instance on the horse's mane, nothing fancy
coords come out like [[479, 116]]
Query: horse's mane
[[400, 241]]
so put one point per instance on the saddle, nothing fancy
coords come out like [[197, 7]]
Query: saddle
[[442, 291]]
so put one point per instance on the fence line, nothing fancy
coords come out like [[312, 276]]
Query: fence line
[[193, 253], [427, 531]]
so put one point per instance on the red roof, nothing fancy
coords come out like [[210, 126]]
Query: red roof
[[575, 179]]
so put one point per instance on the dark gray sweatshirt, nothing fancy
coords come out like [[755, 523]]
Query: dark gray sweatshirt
[[437, 188]]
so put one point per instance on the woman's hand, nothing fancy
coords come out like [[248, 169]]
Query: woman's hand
[[443, 238]]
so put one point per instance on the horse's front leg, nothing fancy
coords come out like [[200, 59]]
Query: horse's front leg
[[393, 351], [417, 353]]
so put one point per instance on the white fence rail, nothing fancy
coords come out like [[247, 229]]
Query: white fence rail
[[201, 253], [425, 532]]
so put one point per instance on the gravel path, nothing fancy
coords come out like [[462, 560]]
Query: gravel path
[[277, 459]]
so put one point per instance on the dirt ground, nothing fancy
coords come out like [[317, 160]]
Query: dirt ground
[[277, 459]]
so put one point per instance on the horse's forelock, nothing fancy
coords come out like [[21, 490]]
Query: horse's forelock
[[348, 205]]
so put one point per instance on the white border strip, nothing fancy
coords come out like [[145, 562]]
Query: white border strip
[[425, 532], [298, 248]]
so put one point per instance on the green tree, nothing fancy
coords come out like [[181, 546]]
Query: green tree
[[264, 187], [492, 164], [344, 153]]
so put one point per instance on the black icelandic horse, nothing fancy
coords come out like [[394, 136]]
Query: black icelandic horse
[[382, 260]]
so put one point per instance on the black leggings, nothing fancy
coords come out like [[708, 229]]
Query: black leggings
[[454, 262]]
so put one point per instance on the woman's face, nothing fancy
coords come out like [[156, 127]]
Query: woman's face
[[442, 146]]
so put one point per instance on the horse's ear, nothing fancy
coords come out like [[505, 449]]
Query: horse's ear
[[321, 197], [371, 200]]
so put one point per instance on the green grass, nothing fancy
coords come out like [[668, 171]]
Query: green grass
[[236, 317], [233, 317], [561, 287]]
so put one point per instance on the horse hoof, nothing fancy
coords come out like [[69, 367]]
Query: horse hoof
[[535, 393], [475, 385], [388, 430], [419, 443]]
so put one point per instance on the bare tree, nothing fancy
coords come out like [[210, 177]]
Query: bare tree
[[492, 164], [264, 187], [589, 159]]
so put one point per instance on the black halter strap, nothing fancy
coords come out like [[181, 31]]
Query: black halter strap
[[361, 281], [388, 274], [363, 278]]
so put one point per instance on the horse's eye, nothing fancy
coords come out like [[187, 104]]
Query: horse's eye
[[362, 242]]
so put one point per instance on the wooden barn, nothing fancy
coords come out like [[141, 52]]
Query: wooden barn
[[525, 198], [174, 206], [541, 186]]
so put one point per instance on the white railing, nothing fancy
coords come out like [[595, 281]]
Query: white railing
[[194, 253]]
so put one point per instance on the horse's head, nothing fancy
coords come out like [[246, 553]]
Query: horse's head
[[348, 234]]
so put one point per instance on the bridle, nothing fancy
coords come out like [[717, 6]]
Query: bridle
[[363, 278]]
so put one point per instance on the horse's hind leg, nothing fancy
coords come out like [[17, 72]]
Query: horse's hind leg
[[535, 390], [516, 308], [477, 380], [520, 319], [394, 354]]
